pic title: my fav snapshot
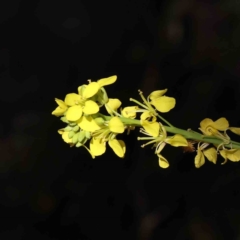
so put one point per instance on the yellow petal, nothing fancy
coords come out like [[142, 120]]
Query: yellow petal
[[112, 104], [151, 127], [162, 161], [87, 123], [177, 141], [164, 104], [199, 159], [211, 154], [221, 124], [66, 138], [90, 90], [72, 99], [232, 154], [74, 113], [97, 147], [107, 81], [61, 131], [147, 115], [204, 125], [157, 94], [61, 103], [118, 146], [235, 130], [116, 125], [129, 112], [58, 112], [90, 107]]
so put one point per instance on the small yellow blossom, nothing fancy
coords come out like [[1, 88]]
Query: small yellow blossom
[[160, 102], [210, 154], [129, 112], [93, 87], [108, 134], [65, 135], [98, 146], [112, 105], [231, 154], [209, 127], [78, 105], [158, 137], [61, 109]]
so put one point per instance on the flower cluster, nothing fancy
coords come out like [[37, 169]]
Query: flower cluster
[[88, 127], [84, 122], [216, 129]]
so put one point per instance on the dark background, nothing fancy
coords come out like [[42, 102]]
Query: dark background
[[49, 48]]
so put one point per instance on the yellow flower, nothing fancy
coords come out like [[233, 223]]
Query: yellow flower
[[87, 123], [65, 135], [156, 99], [61, 109], [209, 127], [210, 154], [231, 154], [112, 105], [93, 87], [108, 134], [160, 102], [158, 137], [98, 146], [79, 105], [129, 112]]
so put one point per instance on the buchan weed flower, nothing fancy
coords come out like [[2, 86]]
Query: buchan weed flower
[[75, 105], [108, 134], [210, 154], [86, 124], [161, 140]]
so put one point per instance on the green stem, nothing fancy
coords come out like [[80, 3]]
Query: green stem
[[168, 123], [191, 135]]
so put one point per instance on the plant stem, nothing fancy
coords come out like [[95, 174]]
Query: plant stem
[[191, 135]]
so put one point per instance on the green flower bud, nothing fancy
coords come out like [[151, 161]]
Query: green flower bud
[[67, 128], [102, 96], [88, 135], [71, 134], [99, 121], [78, 144], [75, 138], [64, 119], [76, 128], [81, 136]]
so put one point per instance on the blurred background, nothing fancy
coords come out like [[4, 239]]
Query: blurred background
[[49, 48]]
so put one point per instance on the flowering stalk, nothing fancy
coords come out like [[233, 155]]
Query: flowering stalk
[[188, 134], [85, 123]]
